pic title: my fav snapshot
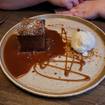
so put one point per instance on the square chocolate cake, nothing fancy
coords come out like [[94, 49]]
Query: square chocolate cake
[[31, 35]]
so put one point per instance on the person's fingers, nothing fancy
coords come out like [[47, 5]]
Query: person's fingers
[[84, 10], [73, 10], [75, 2], [78, 9], [83, 14], [67, 13], [69, 5], [78, 12]]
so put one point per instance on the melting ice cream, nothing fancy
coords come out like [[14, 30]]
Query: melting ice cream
[[83, 41]]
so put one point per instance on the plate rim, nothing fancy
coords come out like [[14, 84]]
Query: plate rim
[[13, 80]]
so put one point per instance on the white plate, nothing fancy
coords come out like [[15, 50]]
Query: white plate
[[59, 85]]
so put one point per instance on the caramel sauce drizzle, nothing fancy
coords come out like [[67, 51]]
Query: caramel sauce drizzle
[[74, 55], [19, 63], [85, 77]]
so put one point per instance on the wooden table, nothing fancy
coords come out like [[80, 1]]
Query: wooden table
[[12, 95]]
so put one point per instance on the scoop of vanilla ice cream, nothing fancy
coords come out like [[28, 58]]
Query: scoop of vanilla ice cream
[[82, 41]]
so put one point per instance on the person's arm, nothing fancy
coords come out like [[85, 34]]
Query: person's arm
[[18, 4]]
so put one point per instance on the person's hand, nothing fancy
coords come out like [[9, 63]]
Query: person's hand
[[87, 9], [65, 3]]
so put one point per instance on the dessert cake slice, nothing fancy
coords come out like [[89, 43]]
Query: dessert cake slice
[[31, 35]]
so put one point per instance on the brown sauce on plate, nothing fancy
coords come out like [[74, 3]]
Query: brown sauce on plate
[[19, 63]]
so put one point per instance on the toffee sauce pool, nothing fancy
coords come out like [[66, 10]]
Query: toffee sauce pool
[[19, 63]]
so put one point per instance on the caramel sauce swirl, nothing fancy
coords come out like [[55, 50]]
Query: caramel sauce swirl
[[19, 63]]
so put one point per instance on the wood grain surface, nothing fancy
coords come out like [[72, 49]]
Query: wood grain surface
[[12, 95]]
